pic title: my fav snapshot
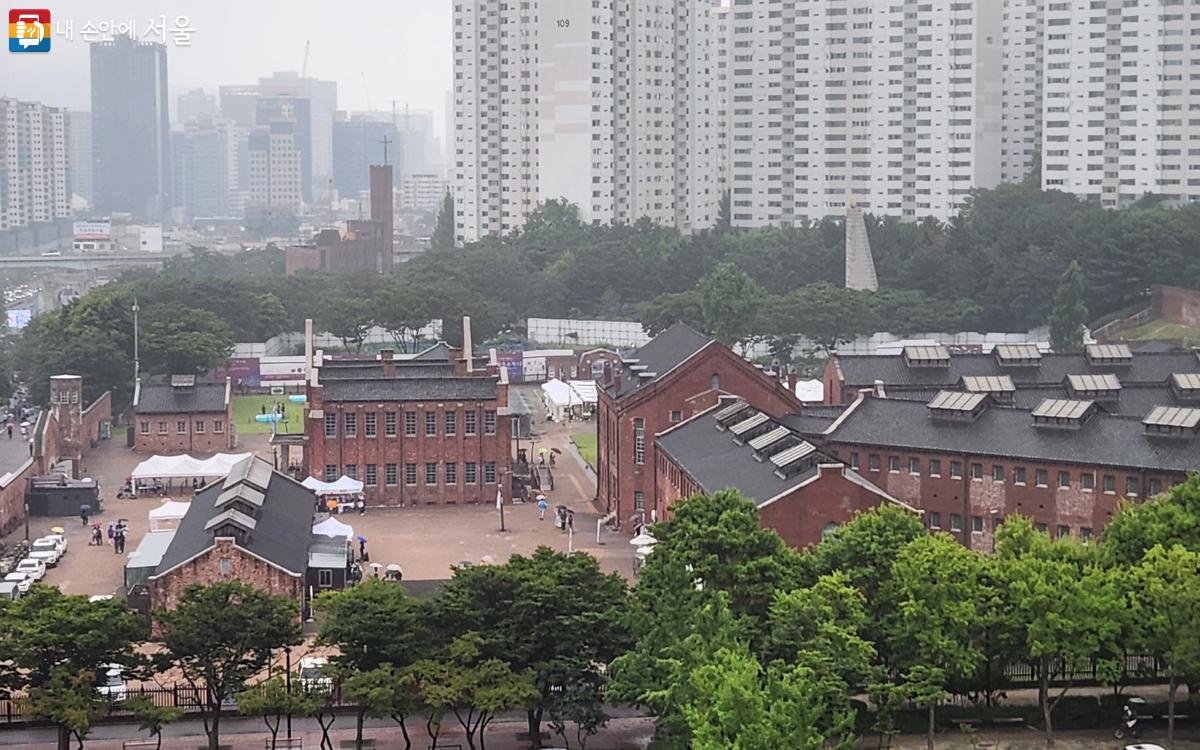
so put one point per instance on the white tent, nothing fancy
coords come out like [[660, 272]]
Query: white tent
[[343, 486], [168, 515], [810, 391], [559, 397], [335, 528], [586, 390], [186, 467]]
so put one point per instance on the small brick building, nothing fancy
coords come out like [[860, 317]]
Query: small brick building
[[181, 415], [255, 526], [673, 377], [426, 430], [801, 492]]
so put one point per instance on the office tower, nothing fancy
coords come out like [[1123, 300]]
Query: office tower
[[423, 192], [1118, 93], [33, 164], [239, 104], [130, 129], [357, 144], [322, 98], [608, 107], [271, 109], [79, 154], [892, 105], [195, 105], [201, 169], [1022, 113], [275, 172]]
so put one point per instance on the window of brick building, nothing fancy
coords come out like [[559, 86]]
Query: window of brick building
[[676, 416], [350, 425], [325, 578], [470, 418], [430, 424], [935, 520], [489, 472], [330, 425], [218, 426], [162, 428], [199, 427], [1131, 487], [372, 476], [1040, 477], [470, 472], [894, 464], [873, 461], [639, 441], [181, 426], [914, 465], [935, 467], [1063, 531], [489, 422], [389, 424], [1041, 528], [1019, 475], [1110, 484], [369, 424], [997, 473], [639, 500], [410, 474], [351, 470], [410, 423], [1085, 534], [226, 566], [1064, 480], [144, 427], [451, 422], [976, 524], [451, 472], [955, 522], [956, 469], [390, 475], [977, 471], [330, 472], [430, 472], [853, 460], [1087, 480], [1155, 487]]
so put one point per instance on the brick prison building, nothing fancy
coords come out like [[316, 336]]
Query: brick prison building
[[181, 415], [427, 429]]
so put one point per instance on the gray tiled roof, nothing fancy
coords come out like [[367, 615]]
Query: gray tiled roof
[[1102, 440], [660, 355], [161, 398], [861, 371], [1135, 400], [411, 389], [409, 369], [281, 530]]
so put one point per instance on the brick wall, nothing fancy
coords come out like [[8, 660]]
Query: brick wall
[[802, 516], [688, 391], [99, 412], [1176, 305], [151, 439], [12, 496], [981, 503], [441, 449], [206, 569], [831, 381]]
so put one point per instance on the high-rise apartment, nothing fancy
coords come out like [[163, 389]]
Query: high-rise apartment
[[275, 176], [79, 154], [893, 105], [1021, 122], [297, 111], [33, 164], [608, 106], [130, 127], [1119, 97], [322, 98]]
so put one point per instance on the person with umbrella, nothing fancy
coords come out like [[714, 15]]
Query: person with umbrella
[[83, 513], [541, 505], [362, 549]]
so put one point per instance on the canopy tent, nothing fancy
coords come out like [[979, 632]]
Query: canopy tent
[[186, 467], [343, 486], [559, 398], [585, 389], [168, 515], [810, 391], [335, 528]]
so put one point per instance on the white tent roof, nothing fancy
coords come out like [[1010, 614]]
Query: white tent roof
[[343, 486], [170, 510], [585, 389], [811, 391], [335, 528], [560, 393], [183, 467]]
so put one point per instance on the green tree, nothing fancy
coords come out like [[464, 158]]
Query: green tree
[[384, 692], [1070, 313], [348, 318], [219, 636], [723, 213], [938, 584], [1170, 519], [823, 313], [666, 310], [153, 718], [183, 340], [1165, 605], [272, 700], [69, 700], [443, 231], [730, 302]]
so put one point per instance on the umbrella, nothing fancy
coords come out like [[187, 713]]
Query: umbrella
[[643, 551], [362, 539], [376, 566], [556, 450], [392, 567], [57, 530], [540, 496], [26, 424], [643, 540], [85, 508]]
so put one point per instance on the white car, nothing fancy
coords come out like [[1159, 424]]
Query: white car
[[46, 550], [35, 569], [113, 686], [99, 598], [312, 673], [1143, 746], [60, 540], [23, 581]]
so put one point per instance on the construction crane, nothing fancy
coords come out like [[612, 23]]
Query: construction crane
[[304, 65]]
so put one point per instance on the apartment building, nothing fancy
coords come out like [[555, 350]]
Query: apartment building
[[1118, 99], [1021, 123], [608, 106], [34, 185], [275, 174]]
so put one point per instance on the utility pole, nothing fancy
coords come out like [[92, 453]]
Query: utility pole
[[136, 364]]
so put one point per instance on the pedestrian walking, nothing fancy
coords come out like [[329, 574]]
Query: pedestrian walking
[[541, 508], [362, 507], [83, 516], [10, 430], [111, 532], [97, 536]]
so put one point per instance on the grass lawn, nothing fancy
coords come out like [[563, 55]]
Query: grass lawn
[[586, 442], [1161, 329], [245, 408]]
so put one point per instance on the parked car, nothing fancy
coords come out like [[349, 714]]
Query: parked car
[[112, 684], [99, 598], [312, 673], [23, 581], [9, 590], [36, 569], [60, 540], [46, 550]]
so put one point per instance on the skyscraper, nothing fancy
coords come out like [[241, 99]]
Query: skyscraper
[[322, 98], [357, 144], [196, 104], [130, 128], [33, 164], [271, 109], [608, 106], [79, 154], [276, 187], [200, 166]]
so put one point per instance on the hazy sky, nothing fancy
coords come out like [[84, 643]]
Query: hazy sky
[[403, 47]]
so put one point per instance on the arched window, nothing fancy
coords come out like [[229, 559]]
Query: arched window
[[715, 382]]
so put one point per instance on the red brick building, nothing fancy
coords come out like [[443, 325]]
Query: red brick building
[[673, 377], [181, 415], [425, 430], [968, 462], [801, 492], [255, 526]]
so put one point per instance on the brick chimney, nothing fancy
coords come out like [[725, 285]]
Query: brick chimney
[[616, 379], [791, 378], [608, 371], [388, 358]]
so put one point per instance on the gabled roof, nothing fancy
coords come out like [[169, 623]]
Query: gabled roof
[[660, 355], [402, 369], [278, 532], [164, 398]]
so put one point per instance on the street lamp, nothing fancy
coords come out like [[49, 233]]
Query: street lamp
[[136, 367], [287, 679]]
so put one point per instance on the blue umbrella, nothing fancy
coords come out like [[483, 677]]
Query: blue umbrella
[[362, 539]]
